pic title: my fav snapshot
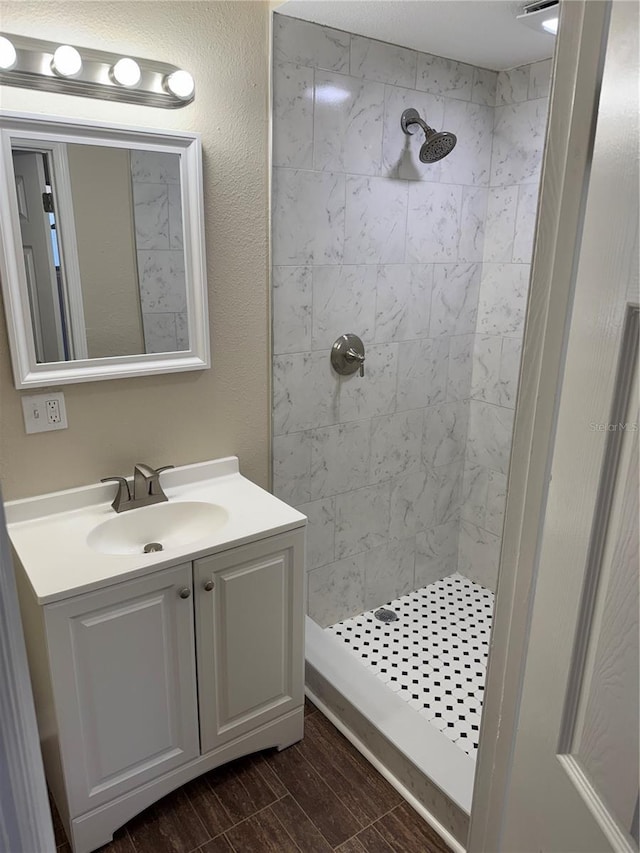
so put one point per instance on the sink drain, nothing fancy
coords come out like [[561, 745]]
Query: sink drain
[[150, 547], [386, 615]]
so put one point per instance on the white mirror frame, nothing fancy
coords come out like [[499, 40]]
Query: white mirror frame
[[53, 129]]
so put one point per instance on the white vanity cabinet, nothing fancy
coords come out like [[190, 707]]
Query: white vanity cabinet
[[248, 610], [145, 683], [124, 682]]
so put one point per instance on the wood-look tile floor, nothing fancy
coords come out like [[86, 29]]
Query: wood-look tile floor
[[317, 796]]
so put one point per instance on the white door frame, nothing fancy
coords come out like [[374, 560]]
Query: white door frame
[[577, 77], [25, 818]]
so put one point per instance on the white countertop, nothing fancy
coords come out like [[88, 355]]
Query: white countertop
[[49, 532]]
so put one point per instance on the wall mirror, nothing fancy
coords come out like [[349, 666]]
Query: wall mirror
[[102, 250]]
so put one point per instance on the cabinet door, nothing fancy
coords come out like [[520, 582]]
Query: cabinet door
[[249, 640], [123, 672]]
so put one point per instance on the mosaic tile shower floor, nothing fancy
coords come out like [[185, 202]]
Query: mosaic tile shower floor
[[434, 656]]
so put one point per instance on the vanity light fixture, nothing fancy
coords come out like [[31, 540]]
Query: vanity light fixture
[[54, 67], [8, 54], [66, 61], [181, 84], [126, 72]]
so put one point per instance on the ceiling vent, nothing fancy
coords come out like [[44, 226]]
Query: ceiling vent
[[541, 15]]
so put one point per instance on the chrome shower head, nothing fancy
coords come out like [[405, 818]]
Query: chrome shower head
[[437, 143]]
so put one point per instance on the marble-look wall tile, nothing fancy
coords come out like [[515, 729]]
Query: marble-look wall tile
[[540, 79], [340, 458], [308, 217], [489, 437], [444, 77], [386, 63], [292, 115], [347, 135], [176, 235], [159, 332], [436, 553], [496, 366], [472, 223], [320, 531], [433, 223], [470, 161], [518, 140], [475, 483], [396, 442], [454, 303], [305, 393], [485, 83], [151, 215], [500, 224], [513, 85], [478, 555], [310, 44], [503, 299], [445, 433], [376, 215], [292, 467], [400, 151], [155, 167], [448, 487], [162, 282], [403, 301], [388, 572], [460, 367], [486, 369], [413, 504], [374, 393], [422, 373], [291, 309], [496, 502], [182, 331], [344, 298], [362, 520], [510, 370], [336, 591], [525, 223]]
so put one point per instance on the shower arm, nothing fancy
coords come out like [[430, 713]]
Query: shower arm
[[410, 117]]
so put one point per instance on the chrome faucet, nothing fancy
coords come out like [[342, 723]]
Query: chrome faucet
[[146, 488]]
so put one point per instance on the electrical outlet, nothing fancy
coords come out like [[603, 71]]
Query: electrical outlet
[[44, 412]]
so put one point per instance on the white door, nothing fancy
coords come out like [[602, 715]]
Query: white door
[[124, 681], [250, 650], [42, 281], [571, 778]]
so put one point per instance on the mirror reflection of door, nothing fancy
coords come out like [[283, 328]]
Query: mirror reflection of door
[[41, 256], [102, 236]]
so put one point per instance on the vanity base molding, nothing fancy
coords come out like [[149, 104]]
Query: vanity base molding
[[96, 828]]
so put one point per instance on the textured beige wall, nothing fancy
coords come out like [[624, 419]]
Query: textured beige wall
[[184, 417], [105, 231]]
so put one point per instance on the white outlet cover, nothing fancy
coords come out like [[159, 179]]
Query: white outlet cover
[[34, 408]]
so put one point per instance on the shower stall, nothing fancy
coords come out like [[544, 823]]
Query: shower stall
[[419, 242]]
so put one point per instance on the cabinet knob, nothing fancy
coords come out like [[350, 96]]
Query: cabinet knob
[[209, 586], [185, 592]]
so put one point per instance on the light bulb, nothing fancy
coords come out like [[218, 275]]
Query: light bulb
[[66, 61], [7, 54], [181, 84], [126, 72], [551, 26]]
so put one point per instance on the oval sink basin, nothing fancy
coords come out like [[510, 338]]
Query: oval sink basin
[[171, 525]]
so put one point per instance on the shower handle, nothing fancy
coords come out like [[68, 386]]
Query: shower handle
[[352, 356], [347, 355]]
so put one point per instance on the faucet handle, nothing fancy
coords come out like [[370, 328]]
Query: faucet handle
[[164, 468], [123, 494]]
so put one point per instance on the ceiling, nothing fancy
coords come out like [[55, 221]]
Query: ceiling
[[480, 32]]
